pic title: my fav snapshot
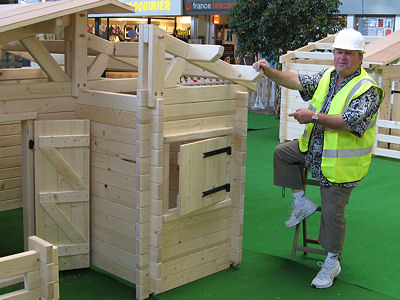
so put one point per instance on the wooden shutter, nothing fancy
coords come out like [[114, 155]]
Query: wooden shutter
[[62, 188], [204, 173]]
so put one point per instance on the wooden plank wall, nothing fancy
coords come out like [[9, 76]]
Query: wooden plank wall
[[10, 166], [113, 180], [201, 244], [291, 100], [50, 101]]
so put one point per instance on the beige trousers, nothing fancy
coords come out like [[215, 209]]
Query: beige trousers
[[288, 172]]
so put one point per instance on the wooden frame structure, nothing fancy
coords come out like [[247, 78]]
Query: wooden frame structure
[[37, 268], [167, 161], [381, 61]]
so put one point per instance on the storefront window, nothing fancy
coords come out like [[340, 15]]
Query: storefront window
[[127, 29], [376, 26]]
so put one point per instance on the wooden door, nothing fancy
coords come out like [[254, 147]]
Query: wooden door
[[62, 188], [204, 173]]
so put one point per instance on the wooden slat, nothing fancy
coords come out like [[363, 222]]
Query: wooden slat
[[113, 238], [64, 223], [10, 183], [117, 180], [10, 172], [193, 260], [118, 85], [10, 129], [114, 164], [206, 53], [113, 224], [17, 116], [387, 153], [10, 151], [35, 90], [18, 264], [100, 261], [126, 49], [22, 74], [56, 159], [198, 94], [82, 140], [41, 106], [115, 149], [107, 115], [114, 209], [185, 234], [98, 66], [123, 102], [102, 190], [73, 249], [114, 133], [63, 197], [100, 45], [191, 125], [200, 134], [10, 204], [10, 140], [11, 194], [44, 59], [174, 71], [199, 110], [195, 273], [22, 295]]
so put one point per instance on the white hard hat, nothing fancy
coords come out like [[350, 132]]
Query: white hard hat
[[349, 39]]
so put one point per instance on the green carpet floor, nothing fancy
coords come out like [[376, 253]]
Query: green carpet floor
[[370, 267]]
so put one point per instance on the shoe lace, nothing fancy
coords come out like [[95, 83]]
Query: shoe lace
[[324, 272]]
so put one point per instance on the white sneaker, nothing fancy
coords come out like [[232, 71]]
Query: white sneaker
[[324, 279], [300, 213]]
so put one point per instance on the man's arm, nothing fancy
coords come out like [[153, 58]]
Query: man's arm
[[336, 122], [289, 80]]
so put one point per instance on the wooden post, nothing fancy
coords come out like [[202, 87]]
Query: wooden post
[[79, 53], [28, 192], [396, 112]]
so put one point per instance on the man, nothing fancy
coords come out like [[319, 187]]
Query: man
[[336, 145]]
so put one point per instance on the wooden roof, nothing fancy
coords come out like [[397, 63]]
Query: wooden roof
[[14, 16], [383, 51]]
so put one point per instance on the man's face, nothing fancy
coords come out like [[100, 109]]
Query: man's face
[[347, 61]]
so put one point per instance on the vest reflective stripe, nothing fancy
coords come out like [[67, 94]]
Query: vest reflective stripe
[[345, 157], [346, 152], [355, 89]]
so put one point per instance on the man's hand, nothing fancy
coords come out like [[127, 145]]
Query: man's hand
[[302, 115], [261, 65]]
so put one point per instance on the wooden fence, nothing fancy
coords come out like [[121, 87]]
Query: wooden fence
[[37, 268]]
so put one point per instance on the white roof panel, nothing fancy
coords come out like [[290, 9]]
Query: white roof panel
[[14, 16]]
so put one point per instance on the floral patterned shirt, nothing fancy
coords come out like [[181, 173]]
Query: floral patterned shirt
[[357, 115]]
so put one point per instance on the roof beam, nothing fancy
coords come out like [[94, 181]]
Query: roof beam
[[44, 59]]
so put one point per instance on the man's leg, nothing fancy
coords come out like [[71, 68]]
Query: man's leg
[[332, 232], [288, 172]]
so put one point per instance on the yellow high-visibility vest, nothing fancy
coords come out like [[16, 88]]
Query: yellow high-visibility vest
[[345, 157]]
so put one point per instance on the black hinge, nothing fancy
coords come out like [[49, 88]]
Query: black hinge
[[395, 92], [226, 187], [31, 144], [228, 150]]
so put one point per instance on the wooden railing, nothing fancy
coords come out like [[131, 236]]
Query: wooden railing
[[37, 268]]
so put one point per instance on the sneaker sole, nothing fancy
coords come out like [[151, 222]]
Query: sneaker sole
[[309, 213]]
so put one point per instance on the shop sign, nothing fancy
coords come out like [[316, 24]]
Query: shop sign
[[207, 7], [149, 8], [156, 7]]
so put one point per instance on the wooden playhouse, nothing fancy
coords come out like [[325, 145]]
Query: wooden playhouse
[[381, 61], [136, 174]]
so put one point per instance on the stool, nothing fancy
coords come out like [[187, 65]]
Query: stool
[[306, 240]]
